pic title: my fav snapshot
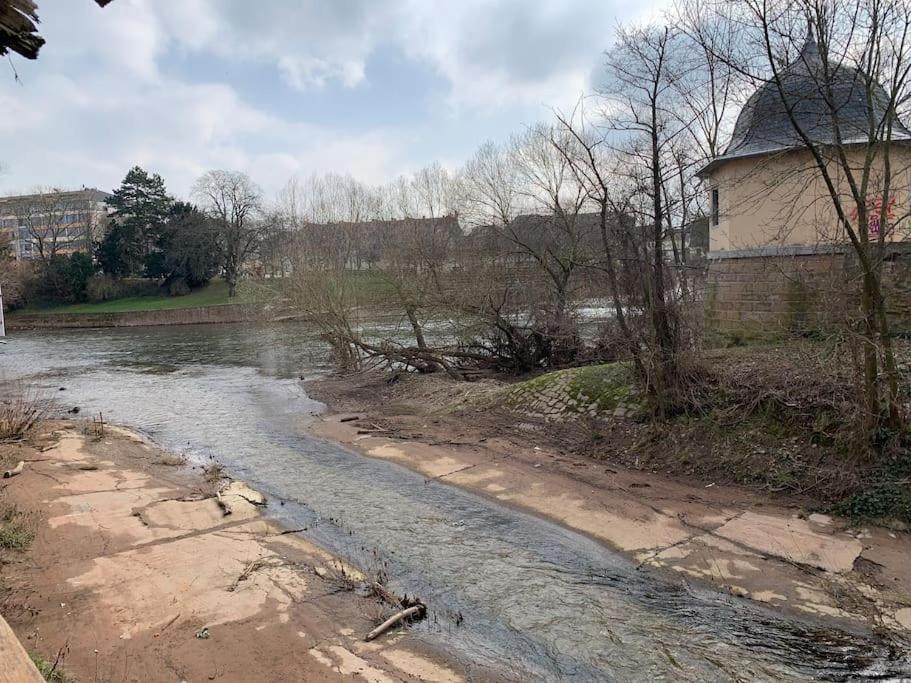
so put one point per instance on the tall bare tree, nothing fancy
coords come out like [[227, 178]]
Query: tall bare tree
[[234, 202], [54, 218], [641, 107]]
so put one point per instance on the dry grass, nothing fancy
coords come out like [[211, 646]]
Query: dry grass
[[337, 574], [214, 472], [16, 529], [20, 412]]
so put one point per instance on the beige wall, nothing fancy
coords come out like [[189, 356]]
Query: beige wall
[[782, 201]]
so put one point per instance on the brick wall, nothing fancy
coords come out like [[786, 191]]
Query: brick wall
[[797, 293]]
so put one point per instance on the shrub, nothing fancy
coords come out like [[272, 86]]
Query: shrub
[[15, 531], [20, 412], [65, 278], [105, 288], [883, 501], [178, 287], [16, 280]]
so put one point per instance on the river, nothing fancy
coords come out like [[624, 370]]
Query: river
[[507, 592]]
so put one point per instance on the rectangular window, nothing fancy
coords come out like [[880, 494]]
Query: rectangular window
[[715, 212]]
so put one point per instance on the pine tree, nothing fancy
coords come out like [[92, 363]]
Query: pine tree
[[140, 210]]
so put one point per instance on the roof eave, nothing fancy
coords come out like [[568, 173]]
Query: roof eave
[[904, 139]]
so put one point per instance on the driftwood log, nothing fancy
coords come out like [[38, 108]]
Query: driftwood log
[[16, 470], [393, 620]]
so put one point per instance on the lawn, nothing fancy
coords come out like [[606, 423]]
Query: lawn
[[366, 288], [214, 294]]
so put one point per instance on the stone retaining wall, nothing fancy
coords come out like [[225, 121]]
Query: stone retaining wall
[[565, 395], [798, 292], [225, 313]]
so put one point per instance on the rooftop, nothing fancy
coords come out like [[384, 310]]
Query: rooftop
[[86, 193], [764, 125]]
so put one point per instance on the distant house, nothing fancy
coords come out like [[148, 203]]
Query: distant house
[[535, 233], [359, 245], [42, 224]]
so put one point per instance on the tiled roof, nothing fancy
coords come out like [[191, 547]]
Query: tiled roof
[[764, 125]]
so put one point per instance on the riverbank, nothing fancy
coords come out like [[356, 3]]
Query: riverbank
[[222, 313], [776, 552], [132, 571]]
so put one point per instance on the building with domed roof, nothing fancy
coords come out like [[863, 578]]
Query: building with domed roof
[[773, 227]]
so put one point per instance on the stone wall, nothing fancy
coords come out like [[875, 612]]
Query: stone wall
[[773, 293], [225, 313]]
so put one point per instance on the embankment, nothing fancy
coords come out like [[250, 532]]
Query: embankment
[[224, 313]]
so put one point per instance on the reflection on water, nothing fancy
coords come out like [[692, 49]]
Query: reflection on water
[[536, 600]]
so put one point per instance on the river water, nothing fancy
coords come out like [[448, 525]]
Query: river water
[[508, 593]]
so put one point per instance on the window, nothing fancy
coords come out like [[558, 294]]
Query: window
[[715, 212]]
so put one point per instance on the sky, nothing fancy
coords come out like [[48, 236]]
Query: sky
[[278, 88]]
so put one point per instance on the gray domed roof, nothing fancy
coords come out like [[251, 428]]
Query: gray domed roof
[[764, 127]]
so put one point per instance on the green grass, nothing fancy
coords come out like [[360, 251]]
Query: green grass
[[365, 288], [607, 386], [214, 294], [15, 531], [47, 670]]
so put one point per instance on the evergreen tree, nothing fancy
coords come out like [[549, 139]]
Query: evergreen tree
[[188, 253], [140, 207]]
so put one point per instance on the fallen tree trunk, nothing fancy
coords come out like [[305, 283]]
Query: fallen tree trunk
[[393, 620], [16, 470]]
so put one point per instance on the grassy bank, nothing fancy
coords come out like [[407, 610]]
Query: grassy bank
[[365, 287], [214, 294]]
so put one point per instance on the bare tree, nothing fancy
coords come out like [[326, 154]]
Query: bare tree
[[234, 202], [641, 108], [55, 218]]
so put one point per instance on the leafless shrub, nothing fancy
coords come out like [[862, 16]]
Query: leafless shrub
[[338, 575], [21, 412], [213, 472]]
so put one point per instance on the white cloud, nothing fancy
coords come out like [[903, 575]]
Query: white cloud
[[304, 72], [101, 97]]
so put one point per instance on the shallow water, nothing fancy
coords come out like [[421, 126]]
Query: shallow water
[[512, 593]]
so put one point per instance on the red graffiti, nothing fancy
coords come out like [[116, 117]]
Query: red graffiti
[[875, 213]]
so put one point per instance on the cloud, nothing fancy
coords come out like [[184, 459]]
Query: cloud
[[304, 72], [123, 85]]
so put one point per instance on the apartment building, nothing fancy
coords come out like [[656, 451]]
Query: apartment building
[[45, 223]]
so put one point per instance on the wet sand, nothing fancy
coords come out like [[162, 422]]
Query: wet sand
[[134, 557]]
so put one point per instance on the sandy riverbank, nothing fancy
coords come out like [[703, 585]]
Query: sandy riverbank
[[809, 565], [133, 557]]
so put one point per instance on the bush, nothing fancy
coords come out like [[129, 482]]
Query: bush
[[178, 287], [15, 531], [65, 278], [883, 501], [16, 280], [20, 413], [106, 288]]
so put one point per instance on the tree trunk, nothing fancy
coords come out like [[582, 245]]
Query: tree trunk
[[416, 327], [231, 279]]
